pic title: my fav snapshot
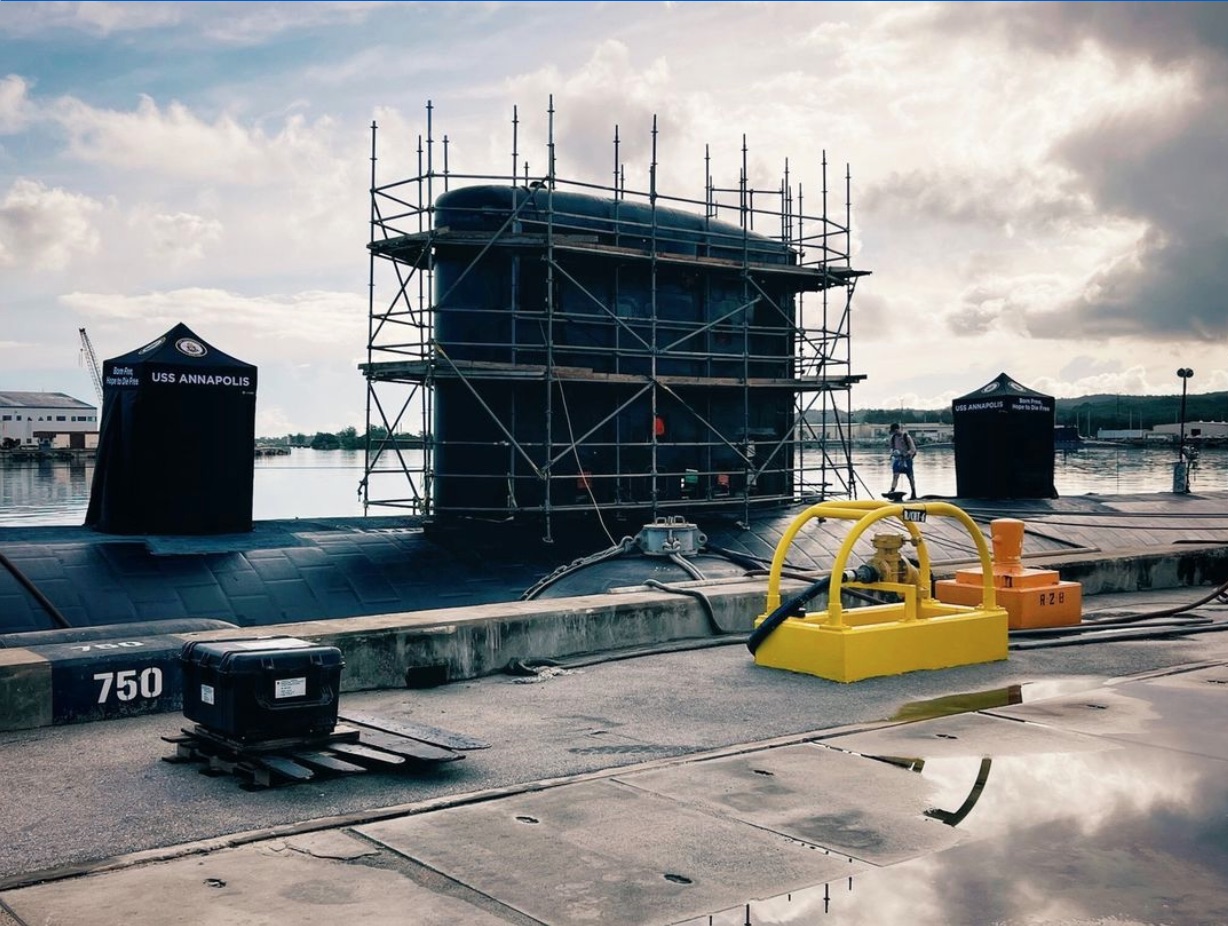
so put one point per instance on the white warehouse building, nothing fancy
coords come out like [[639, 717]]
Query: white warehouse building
[[29, 418], [1195, 429]]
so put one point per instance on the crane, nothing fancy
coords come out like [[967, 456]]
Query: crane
[[91, 361]]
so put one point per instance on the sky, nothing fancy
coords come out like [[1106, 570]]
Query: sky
[[1037, 189]]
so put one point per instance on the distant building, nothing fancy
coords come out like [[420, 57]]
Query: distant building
[[814, 425], [923, 432], [811, 427], [30, 418], [927, 432], [1195, 429]]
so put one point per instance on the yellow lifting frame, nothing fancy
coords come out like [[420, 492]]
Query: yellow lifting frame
[[919, 633]]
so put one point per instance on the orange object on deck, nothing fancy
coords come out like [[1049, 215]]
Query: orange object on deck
[[1031, 597]]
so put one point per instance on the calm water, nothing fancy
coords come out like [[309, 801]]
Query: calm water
[[318, 483]]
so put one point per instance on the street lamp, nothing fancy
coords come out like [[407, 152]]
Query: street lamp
[[1181, 474]]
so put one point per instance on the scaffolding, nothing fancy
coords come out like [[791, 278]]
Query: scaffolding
[[540, 347]]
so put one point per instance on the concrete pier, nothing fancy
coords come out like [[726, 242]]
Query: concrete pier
[[1077, 784]]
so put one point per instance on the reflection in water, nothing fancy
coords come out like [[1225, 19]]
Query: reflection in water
[[47, 492], [303, 484], [1107, 833], [318, 483], [1098, 469], [956, 817], [1025, 693]]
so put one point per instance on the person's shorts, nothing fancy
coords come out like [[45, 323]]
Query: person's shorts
[[902, 465]]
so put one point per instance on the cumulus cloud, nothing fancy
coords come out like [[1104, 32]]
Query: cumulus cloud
[[1168, 174], [94, 18], [1163, 33], [1018, 198], [182, 237], [608, 89], [223, 23], [1151, 157], [306, 324], [253, 23], [175, 141], [14, 104], [192, 184], [44, 228]]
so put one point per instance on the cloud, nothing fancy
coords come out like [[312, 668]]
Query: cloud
[[109, 18], [255, 23], [1162, 33], [44, 228], [176, 142], [182, 237], [608, 89], [1003, 303], [233, 188], [94, 18], [305, 324], [1150, 154], [14, 104], [1020, 198], [1133, 380], [238, 24]]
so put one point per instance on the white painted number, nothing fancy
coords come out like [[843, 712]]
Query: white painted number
[[124, 644], [125, 684], [151, 682], [129, 683]]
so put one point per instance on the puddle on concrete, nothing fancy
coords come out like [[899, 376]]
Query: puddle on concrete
[[1055, 827], [1093, 838], [1025, 693]]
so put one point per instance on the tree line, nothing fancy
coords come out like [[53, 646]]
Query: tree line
[[1088, 413], [345, 439]]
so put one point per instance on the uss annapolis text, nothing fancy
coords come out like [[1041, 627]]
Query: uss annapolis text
[[199, 379]]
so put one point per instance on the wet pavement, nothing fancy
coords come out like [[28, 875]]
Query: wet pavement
[[1084, 785]]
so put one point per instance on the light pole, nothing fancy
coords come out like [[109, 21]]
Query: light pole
[[1181, 474]]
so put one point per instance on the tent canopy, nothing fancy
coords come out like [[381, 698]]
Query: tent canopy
[[1004, 441], [176, 442]]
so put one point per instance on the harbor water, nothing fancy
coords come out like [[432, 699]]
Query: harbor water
[[323, 483]]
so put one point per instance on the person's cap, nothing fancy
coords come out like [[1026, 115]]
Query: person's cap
[[895, 427]]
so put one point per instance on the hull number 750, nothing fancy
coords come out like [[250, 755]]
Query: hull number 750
[[129, 684]]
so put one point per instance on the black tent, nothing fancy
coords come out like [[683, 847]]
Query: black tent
[[176, 442], [1004, 442]]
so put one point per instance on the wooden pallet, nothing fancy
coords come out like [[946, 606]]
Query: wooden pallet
[[349, 749]]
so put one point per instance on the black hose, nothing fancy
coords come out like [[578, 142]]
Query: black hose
[[863, 573], [686, 567], [1175, 609], [699, 596], [1109, 636], [528, 667], [800, 577], [53, 612], [745, 560], [1105, 627]]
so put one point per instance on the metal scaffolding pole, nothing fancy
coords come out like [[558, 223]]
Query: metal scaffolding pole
[[678, 348]]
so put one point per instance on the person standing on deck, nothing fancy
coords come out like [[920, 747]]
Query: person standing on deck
[[903, 449]]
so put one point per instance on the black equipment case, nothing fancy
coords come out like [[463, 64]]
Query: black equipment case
[[271, 688]]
